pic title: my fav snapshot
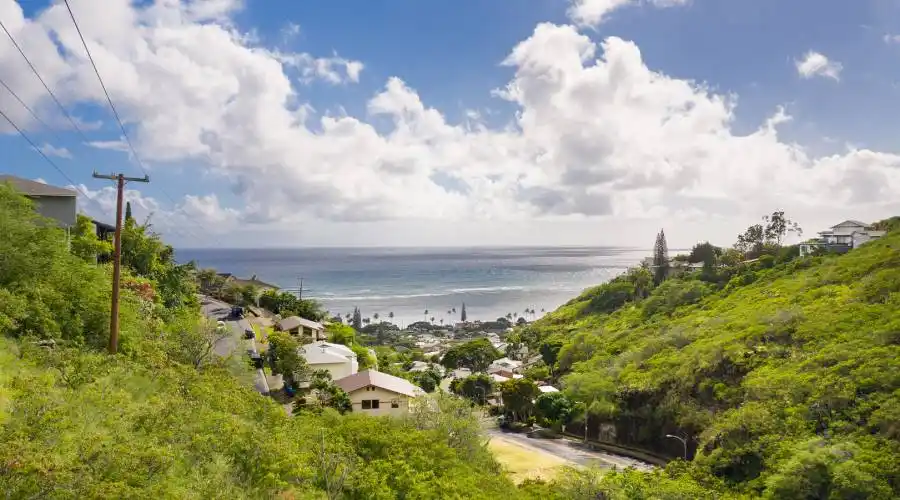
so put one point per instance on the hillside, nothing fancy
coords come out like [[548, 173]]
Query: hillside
[[784, 374], [164, 418]]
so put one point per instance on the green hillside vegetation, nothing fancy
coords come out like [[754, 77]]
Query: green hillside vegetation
[[783, 373], [166, 419]]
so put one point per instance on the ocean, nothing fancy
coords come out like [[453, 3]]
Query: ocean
[[492, 282]]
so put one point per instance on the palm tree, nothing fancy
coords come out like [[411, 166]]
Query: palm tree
[[432, 320], [509, 316], [454, 310], [426, 315], [391, 316], [366, 321], [376, 316], [442, 321]]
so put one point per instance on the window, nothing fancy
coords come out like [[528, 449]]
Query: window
[[375, 404], [371, 404], [395, 403]]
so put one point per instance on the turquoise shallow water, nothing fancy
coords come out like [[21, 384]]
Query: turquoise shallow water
[[407, 281]]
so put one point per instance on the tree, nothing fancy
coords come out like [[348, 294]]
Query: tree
[[84, 241], [549, 352], [475, 387], [641, 281], [192, 341], [357, 319], [476, 355], [660, 258], [128, 211], [339, 333], [376, 316], [777, 226], [554, 409], [706, 253], [286, 359], [518, 397], [462, 315], [428, 380]]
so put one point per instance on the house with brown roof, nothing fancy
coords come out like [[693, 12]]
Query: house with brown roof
[[376, 393], [50, 201]]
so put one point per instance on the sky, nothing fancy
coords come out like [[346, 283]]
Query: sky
[[409, 123]]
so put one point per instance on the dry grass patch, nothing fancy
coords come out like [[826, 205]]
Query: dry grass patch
[[523, 462]]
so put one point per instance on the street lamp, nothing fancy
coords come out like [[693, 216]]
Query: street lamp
[[683, 442]]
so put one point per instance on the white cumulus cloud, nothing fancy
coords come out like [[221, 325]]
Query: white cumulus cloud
[[817, 64], [595, 12], [597, 134], [51, 150]]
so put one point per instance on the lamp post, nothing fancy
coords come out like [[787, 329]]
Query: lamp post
[[683, 442]]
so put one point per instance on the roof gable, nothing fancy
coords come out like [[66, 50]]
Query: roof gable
[[381, 380], [851, 223], [34, 188]]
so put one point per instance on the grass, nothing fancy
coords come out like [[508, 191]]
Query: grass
[[525, 463]]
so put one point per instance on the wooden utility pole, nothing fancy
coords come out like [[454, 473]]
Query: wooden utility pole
[[117, 254]]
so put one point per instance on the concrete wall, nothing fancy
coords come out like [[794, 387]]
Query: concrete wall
[[60, 208], [385, 399]]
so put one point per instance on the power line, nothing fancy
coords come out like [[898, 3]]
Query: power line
[[46, 87], [31, 111], [47, 158], [119, 120]]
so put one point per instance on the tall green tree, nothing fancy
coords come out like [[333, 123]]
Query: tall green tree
[[128, 211], [476, 355], [84, 241], [462, 315], [285, 358], [660, 258]]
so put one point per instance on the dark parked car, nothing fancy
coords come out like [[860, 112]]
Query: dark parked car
[[237, 312], [249, 334]]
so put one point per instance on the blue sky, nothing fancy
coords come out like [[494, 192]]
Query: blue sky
[[449, 56]]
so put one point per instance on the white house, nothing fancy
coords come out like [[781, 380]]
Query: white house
[[339, 360], [546, 389], [377, 393], [841, 238]]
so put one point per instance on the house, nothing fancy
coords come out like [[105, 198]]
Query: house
[[50, 201], [377, 393], [546, 389], [505, 367], [339, 360], [460, 373], [841, 238], [295, 325]]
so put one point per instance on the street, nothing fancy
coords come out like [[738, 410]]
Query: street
[[221, 311], [569, 451]]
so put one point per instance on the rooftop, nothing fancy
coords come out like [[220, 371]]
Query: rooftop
[[384, 381], [320, 353], [37, 189], [292, 322]]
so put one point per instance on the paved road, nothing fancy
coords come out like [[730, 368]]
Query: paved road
[[221, 311], [570, 451]]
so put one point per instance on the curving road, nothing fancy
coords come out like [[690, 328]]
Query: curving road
[[221, 311], [570, 451]]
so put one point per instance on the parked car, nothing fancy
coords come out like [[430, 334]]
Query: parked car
[[249, 333], [237, 312]]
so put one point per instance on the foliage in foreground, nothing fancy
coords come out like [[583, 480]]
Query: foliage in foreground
[[164, 418], [783, 373]]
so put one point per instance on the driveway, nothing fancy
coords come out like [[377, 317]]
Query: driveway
[[570, 451], [221, 311]]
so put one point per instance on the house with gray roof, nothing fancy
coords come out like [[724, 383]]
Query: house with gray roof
[[50, 201]]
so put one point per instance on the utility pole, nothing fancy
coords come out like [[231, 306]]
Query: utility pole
[[117, 254]]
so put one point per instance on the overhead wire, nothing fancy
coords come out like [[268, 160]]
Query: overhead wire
[[112, 106], [43, 155], [46, 87]]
